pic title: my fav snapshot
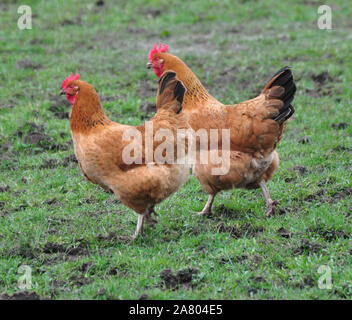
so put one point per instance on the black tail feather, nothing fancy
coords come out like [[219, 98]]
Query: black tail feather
[[284, 78]]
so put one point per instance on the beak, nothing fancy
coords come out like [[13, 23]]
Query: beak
[[149, 65], [62, 91]]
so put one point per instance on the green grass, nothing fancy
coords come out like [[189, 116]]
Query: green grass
[[49, 209]]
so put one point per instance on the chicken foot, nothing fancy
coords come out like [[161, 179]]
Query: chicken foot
[[207, 208], [270, 204]]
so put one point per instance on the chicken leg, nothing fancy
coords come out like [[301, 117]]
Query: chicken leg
[[270, 204], [140, 223], [207, 208]]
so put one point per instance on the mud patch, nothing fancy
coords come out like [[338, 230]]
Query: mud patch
[[245, 231], [146, 89], [4, 189], [52, 247], [28, 64], [321, 195], [86, 201], [322, 78], [6, 146], [20, 296], [113, 237], [49, 164], [151, 13], [69, 159], [59, 111], [100, 292], [346, 192], [340, 148], [303, 140], [323, 85], [340, 125], [57, 102], [307, 247], [33, 134], [257, 259], [53, 202], [258, 279], [284, 233], [225, 212], [143, 296], [40, 139], [300, 170], [54, 163], [314, 196], [28, 127], [328, 234], [86, 266], [173, 281], [80, 280]]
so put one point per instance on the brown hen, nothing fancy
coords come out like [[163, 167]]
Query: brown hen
[[256, 126], [99, 146]]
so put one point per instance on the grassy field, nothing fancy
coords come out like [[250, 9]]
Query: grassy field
[[67, 230]]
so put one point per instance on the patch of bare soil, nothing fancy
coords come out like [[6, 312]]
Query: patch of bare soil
[[308, 247], [322, 78], [4, 189], [174, 281], [321, 196], [328, 234], [53, 202], [340, 148], [54, 163], [300, 170], [246, 230], [59, 111], [69, 159], [52, 247], [284, 233], [151, 13], [146, 89], [33, 134], [303, 140], [340, 125], [143, 296], [80, 280], [24, 295], [323, 85], [28, 64], [225, 212]]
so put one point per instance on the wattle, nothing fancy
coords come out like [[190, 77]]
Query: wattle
[[71, 99], [158, 72]]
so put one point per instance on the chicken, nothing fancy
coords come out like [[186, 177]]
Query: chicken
[[104, 148], [256, 126]]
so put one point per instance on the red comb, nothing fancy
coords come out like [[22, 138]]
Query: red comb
[[156, 49], [69, 78]]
